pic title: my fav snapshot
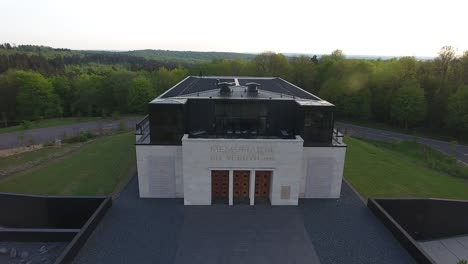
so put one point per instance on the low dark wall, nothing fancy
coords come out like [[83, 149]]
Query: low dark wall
[[31, 211], [80, 239], [22, 211], [403, 237], [42, 218], [71, 212], [426, 219]]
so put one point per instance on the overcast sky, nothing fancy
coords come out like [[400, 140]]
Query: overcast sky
[[358, 27]]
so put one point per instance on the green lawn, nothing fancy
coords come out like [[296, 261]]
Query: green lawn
[[95, 169], [53, 122], [437, 134], [35, 156], [380, 172]]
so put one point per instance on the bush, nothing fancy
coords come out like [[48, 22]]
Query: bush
[[25, 124], [121, 128], [83, 137], [49, 144], [463, 261], [115, 115]]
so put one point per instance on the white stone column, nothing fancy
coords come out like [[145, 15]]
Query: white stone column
[[231, 187], [252, 187]]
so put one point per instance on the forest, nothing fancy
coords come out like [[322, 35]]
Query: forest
[[38, 82]]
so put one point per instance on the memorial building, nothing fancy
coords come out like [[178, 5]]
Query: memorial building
[[239, 140]]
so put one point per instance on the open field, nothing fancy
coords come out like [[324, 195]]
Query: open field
[[94, 169], [380, 172]]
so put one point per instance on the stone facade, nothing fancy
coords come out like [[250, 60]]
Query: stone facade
[[185, 171]]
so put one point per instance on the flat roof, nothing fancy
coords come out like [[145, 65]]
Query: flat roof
[[206, 86]]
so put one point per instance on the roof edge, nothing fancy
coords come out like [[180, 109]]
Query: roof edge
[[318, 98], [175, 85]]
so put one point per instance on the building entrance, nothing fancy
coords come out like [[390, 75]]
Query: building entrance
[[220, 186]]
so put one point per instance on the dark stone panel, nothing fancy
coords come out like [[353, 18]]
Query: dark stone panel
[[405, 239], [428, 219]]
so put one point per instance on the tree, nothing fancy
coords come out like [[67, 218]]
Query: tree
[[271, 64], [303, 72], [165, 78], [457, 114], [63, 90], [139, 95], [87, 89], [9, 89], [337, 54], [408, 106], [35, 97]]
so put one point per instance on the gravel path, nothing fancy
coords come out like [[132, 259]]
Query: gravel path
[[41, 135], [165, 231], [449, 148]]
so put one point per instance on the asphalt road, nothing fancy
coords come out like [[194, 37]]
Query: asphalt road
[[41, 135], [449, 148]]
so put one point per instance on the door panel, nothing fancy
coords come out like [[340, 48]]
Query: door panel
[[262, 184], [220, 186], [241, 185]]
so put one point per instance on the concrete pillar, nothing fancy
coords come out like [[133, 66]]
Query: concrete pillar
[[252, 187], [231, 187]]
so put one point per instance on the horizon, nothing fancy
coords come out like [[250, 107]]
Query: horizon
[[365, 28], [288, 54]]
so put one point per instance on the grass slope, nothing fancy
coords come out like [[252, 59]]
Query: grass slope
[[95, 169], [379, 172], [36, 156], [50, 123]]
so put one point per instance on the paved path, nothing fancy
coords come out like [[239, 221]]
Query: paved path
[[449, 148], [41, 135], [448, 250], [326, 231]]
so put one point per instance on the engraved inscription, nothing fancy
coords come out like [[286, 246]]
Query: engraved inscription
[[241, 152]]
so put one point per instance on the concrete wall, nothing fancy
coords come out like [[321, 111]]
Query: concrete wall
[[283, 157], [159, 171], [322, 172]]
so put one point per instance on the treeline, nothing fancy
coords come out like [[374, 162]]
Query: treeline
[[402, 92], [97, 90], [51, 61]]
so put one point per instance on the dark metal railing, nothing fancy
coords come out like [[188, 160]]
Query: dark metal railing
[[142, 126], [338, 136]]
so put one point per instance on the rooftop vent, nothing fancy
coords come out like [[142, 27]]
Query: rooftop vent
[[252, 87], [224, 88]]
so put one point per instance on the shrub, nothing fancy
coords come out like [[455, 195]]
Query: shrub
[[463, 261], [49, 144], [82, 137], [25, 124], [115, 115], [121, 127]]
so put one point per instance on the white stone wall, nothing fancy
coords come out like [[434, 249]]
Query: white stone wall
[[200, 156], [159, 171], [322, 172]]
